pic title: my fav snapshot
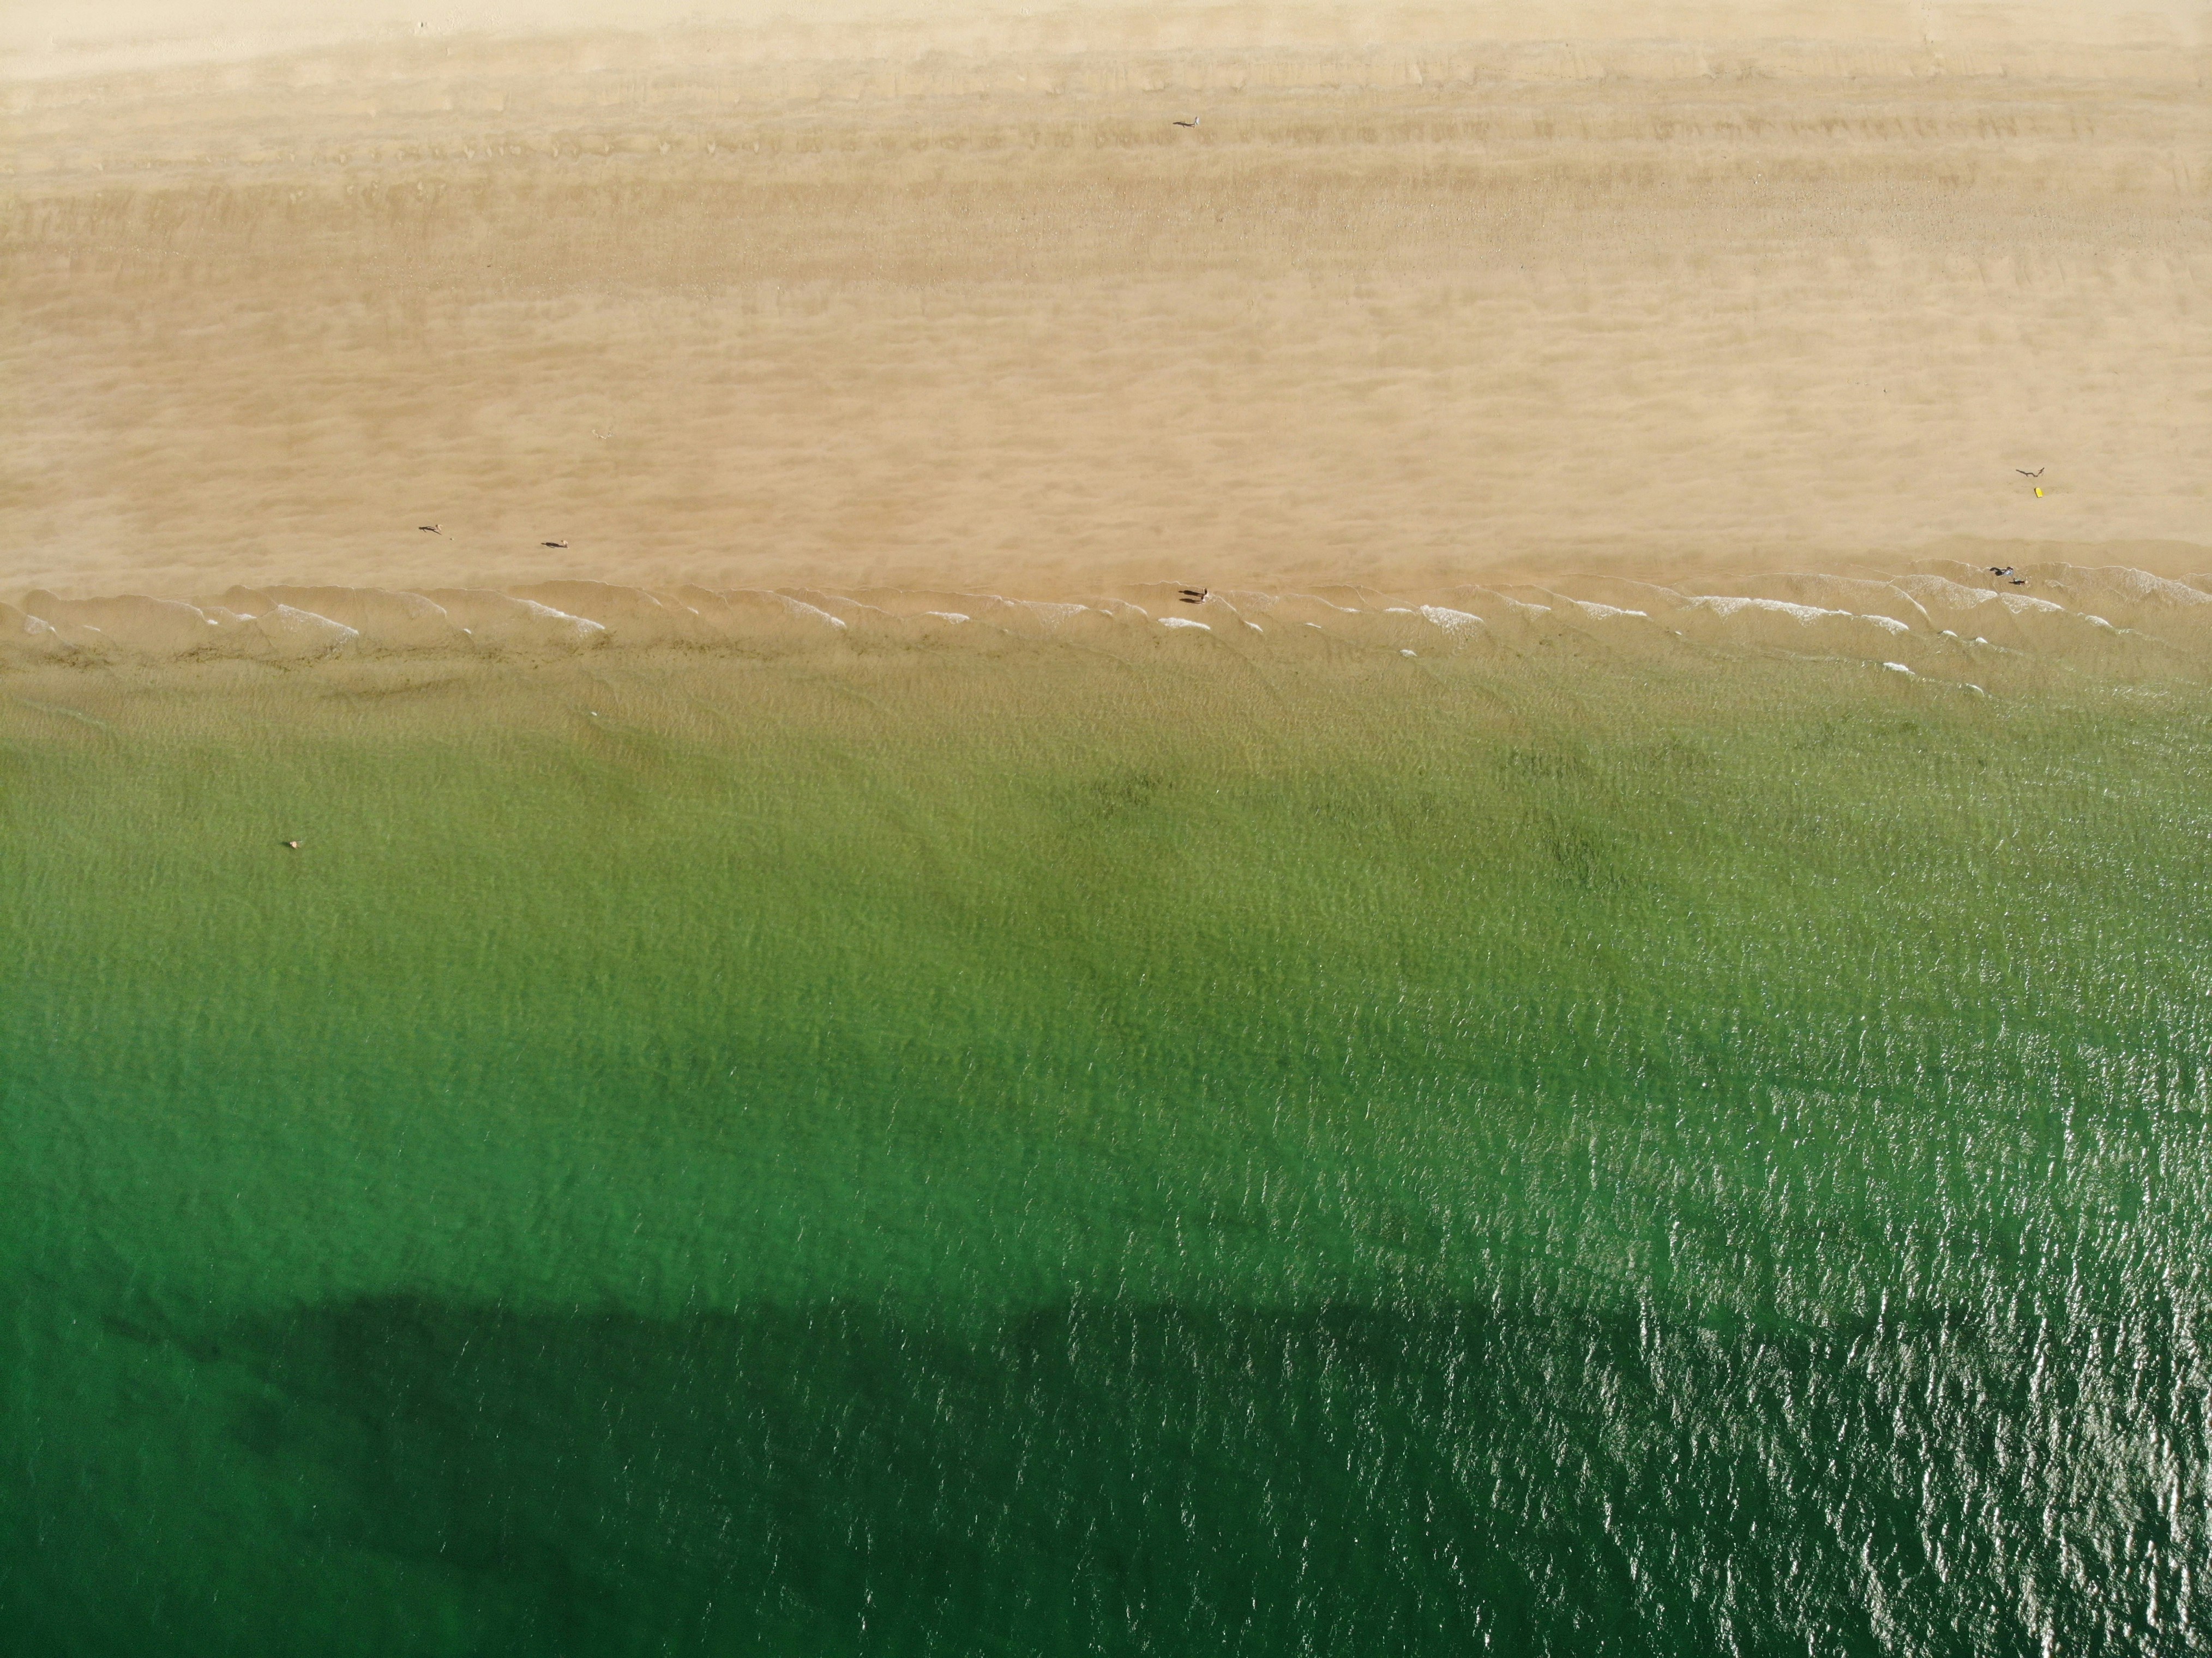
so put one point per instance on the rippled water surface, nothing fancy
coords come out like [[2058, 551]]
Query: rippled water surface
[[1025, 1154]]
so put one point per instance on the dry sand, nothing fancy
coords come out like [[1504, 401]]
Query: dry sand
[[1427, 298]]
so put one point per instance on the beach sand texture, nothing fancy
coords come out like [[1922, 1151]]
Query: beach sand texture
[[1428, 296]]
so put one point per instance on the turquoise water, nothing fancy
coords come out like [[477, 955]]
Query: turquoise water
[[1034, 1156]]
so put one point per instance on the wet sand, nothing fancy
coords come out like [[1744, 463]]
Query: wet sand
[[882, 307]]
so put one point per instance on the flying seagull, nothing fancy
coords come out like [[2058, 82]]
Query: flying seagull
[[431, 528], [1193, 595], [552, 544], [2024, 473], [1995, 571], [1193, 121]]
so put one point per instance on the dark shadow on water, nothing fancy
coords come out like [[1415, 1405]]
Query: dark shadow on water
[[1099, 1477]]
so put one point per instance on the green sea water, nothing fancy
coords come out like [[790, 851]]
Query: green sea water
[[1041, 1155]]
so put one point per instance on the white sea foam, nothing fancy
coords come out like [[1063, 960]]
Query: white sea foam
[[1033, 615], [1458, 623], [2165, 623], [800, 608], [1939, 593], [1725, 607], [291, 632], [503, 622]]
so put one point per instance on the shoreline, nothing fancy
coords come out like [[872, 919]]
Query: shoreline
[[1944, 620]]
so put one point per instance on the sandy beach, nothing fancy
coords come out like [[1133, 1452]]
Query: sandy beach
[[1422, 298]]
